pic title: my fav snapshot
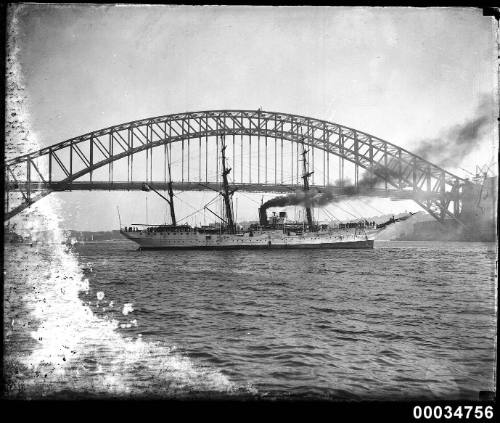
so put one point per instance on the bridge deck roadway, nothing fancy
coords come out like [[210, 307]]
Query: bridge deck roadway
[[204, 186]]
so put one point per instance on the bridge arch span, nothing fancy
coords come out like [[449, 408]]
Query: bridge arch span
[[395, 165]]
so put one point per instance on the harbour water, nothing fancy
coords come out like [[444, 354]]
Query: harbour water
[[406, 320]]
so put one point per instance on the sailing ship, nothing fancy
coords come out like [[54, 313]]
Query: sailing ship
[[275, 232]]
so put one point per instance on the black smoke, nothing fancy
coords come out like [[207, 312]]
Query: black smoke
[[454, 144], [320, 198], [447, 150]]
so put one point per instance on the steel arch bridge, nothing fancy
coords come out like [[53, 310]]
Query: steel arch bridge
[[62, 166]]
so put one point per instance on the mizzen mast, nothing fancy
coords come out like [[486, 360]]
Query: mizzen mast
[[305, 177]]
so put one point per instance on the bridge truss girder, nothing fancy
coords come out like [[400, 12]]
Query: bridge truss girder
[[433, 188]]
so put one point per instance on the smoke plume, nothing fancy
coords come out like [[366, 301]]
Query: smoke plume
[[454, 144], [316, 198], [447, 150]]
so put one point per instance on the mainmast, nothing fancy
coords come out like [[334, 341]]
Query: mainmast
[[226, 192], [148, 187], [170, 200], [171, 194], [305, 177], [171, 203]]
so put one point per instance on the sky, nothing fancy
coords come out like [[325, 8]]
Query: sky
[[405, 75]]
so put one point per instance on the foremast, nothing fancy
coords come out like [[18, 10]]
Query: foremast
[[171, 194], [226, 191]]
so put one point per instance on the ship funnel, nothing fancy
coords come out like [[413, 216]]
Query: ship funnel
[[262, 216]]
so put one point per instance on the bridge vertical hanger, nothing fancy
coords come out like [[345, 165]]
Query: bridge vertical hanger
[[312, 154], [282, 127], [71, 159], [385, 164], [165, 163], [414, 173], [131, 134], [182, 160], [400, 171], [250, 151], [456, 198], [241, 150], [297, 162], [199, 159], [356, 168], [150, 139], [50, 166], [265, 164], [324, 155], [444, 202], [276, 156], [28, 179], [324, 168], [128, 157], [206, 152], [234, 147], [341, 161], [258, 147], [165, 159], [293, 131], [147, 158], [281, 157], [217, 151], [342, 166], [111, 148]]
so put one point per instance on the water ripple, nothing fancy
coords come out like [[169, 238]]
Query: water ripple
[[406, 320]]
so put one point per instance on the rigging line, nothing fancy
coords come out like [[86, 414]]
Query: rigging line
[[339, 220], [369, 205], [320, 211], [325, 214], [285, 182], [353, 208], [200, 209], [194, 208], [184, 201], [330, 214], [345, 211], [189, 215], [212, 200], [192, 156], [251, 199], [335, 217]]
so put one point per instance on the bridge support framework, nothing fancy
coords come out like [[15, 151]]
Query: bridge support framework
[[62, 165]]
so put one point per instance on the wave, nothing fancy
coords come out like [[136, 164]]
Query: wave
[[55, 344], [76, 351]]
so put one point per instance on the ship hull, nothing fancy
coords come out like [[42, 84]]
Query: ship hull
[[261, 241], [353, 245]]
